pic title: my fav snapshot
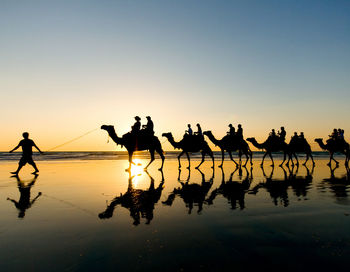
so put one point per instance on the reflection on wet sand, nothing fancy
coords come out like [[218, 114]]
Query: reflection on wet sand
[[191, 193], [339, 186], [139, 202], [233, 190], [24, 201], [278, 187]]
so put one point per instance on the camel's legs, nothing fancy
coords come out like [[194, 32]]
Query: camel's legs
[[151, 151], [222, 157], [203, 156], [284, 158], [189, 162], [230, 153], [178, 157], [160, 152], [296, 157], [211, 154], [312, 159], [251, 157], [273, 163], [247, 158], [332, 158], [262, 162], [130, 159]]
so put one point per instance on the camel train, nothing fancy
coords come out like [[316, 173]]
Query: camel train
[[144, 139]]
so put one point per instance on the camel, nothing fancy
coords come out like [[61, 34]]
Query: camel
[[299, 146], [190, 144], [137, 201], [332, 146], [138, 143], [234, 191], [271, 146], [230, 144], [191, 193]]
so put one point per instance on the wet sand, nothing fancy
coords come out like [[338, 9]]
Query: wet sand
[[216, 221]]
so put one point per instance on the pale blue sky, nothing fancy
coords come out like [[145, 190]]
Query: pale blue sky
[[73, 65]]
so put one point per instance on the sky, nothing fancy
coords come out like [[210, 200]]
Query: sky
[[67, 67]]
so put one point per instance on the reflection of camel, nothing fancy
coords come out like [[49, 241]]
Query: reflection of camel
[[190, 144], [332, 146], [24, 201], [277, 188], [338, 185], [137, 143], [191, 193], [234, 191], [137, 201], [271, 146], [299, 146], [230, 144], [300, 184]]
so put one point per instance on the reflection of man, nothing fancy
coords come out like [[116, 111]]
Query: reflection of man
[[27, 152], [24, 202]]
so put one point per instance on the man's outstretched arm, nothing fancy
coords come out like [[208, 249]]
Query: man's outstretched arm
[[38, 148], [15, 148]]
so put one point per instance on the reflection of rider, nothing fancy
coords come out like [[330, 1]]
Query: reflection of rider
[[137, 126]]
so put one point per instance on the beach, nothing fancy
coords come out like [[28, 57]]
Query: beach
[[247, 218]]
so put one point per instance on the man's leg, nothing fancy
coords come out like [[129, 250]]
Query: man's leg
[[21, 163], [32, 163]]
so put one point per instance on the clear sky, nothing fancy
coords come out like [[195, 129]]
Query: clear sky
[[67, 67]]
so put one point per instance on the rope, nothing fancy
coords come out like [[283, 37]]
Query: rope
[[77, 138], [70, 204]]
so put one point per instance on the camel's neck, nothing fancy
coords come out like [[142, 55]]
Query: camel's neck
[[256, 144], [213, 139], [114, 137], [322, 145], [173, 142]]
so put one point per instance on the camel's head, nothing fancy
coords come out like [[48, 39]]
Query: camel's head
[[208, 132], [318, 140], [106, 214], [251, 139], [167, 135], [106, 127]]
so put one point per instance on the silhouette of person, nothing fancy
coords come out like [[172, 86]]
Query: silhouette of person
[[294, 138], [24, 201], [232, 130], [240, 132], [341, 135], [137, 126], [282, 134], [189, 130], [149, 126], [199, 130], [27, 152]]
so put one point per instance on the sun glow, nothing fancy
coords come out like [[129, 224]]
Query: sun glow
[[136, 171]]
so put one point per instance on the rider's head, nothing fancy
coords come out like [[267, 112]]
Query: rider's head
[[137, 118], [25, 135], [295, 134], [239, 125], [230, 125], [189, 125], [148, 117], [282, 128], [198, 125]]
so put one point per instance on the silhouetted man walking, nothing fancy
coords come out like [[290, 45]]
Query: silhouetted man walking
[[27, 152]]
